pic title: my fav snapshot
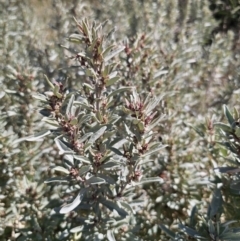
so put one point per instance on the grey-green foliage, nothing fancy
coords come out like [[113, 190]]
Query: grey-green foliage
[[229, 141], [206, 226], [168, 51], [228, 172], [21, 171], [210, 226], [105, 134]]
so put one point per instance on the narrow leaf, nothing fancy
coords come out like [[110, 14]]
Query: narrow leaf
[[40, 97], [114, 53], [108, 178], [69, 107], [38, 136], [110, 235], [112, 81], [51, 122], [84, 169], [63, 149], [229, 222], [97, 134], [127, 206], [117, 91], [154, 150], [113, 206], [228, 115], [159, 73], [57, 179], [82, 159], [84, 137], [229, 170], [191, 232], [110, 165], [76, 38], [155, 122], [86, 30], [45, 112], [107, 50], [49, 82], [116, 151], [149, 180], [216, 204], [87, 106], [129, 133], [56, 91], [230, 236], [192, 220], [94, 180], [223, 126], [61, 169], [152, 104], [69, 207], [77, 229], [88, 86], [167, 231]]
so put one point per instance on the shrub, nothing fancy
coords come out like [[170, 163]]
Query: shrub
[[167, 56]]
